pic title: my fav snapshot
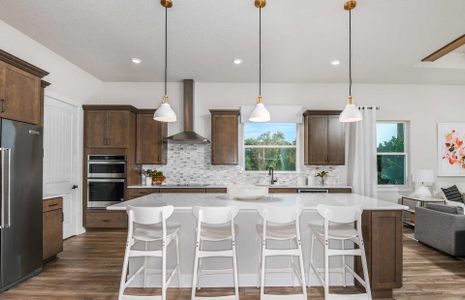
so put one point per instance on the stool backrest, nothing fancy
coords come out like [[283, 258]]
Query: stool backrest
[[215, 215], [282, 215], [149, 215], [340, 214]]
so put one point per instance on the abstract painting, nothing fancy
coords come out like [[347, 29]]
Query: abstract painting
[[451, 149]]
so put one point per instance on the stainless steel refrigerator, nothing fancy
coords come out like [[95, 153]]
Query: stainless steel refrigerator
[[20, 201]]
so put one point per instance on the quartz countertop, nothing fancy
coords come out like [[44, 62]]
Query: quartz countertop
[[278, 186], [51, 196], [305, 201]]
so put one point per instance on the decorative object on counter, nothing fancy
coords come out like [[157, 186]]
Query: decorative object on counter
[[157, 177], [423, 176], [451, 149], [147, 175], [247, 192], [322, 174], [350, 112], [165, 113], [260, 113]]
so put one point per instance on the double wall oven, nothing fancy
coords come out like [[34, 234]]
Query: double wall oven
[[106, 180]]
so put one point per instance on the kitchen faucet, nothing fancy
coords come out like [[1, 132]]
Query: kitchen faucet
[[271, 172]]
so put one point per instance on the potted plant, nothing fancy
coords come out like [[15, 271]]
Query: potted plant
[[322, 174], [157, 177], [148, 176]]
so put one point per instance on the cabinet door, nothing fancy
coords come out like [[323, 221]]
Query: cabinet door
[[118, 128], [52, 233], [151, 147], [20, 95], [316, 145], [95, 123], [224, 138], [336, 141]]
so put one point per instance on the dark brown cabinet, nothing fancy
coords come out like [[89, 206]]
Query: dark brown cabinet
[[224, 137], [21, 90], [151, 146], [106, 128], [52, 214], [324, 138]]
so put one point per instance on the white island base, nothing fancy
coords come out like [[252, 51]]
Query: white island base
[[382, 226]]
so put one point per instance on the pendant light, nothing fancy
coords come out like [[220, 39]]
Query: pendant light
[[165, 113], [260, 113], [351, 113]]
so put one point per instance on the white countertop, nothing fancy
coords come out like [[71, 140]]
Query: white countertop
[[305, 201], [51, 196], [279, 186]]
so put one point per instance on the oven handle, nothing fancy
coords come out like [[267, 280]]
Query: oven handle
[[108, 162], [106, 180]]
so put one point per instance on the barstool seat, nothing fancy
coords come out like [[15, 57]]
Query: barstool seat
[[278, 232], [148, 233], [217, 232], [336, 231]]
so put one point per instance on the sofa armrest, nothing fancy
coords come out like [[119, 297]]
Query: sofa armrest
[[443, 231]]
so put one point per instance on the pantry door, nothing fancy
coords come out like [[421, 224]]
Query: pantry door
[[61, 168]]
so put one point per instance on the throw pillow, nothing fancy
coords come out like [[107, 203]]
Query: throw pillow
[[453, 194]]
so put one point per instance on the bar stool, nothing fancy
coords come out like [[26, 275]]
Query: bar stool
[[215, 224], [339, 226], [281, 224], [148, 225]]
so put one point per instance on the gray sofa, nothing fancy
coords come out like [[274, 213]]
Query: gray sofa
[[441, 227]]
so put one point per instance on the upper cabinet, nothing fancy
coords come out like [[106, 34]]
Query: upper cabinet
[[224, 137], [324, 138], [21, 95], [108, 126], [151, 146]]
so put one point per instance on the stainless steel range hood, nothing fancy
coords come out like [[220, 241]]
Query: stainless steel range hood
[[188, 135]]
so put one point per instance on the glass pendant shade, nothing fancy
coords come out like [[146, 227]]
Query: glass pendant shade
[[351, 113], [260, 113], [165, 113]]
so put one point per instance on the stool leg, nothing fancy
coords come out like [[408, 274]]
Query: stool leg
[[326, 283], [236, 280], [178, 263], [263, 265], [365, 268], [344, 280], [163, 269], [144, 282], [195, 272], [310, 262], [124, 272], [302, 269], [201, 247], [292, 264], [259, 270]]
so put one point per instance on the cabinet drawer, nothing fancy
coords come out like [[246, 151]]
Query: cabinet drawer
[[52, 233], [52, 204], [339, 190], [282, 190], [134, 193], [106, 219], [182, 190]]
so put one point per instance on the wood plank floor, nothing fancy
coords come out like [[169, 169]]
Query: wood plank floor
[[90, 266]]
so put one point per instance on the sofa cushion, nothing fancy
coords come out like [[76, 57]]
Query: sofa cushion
[[453, 194], [453, 210]]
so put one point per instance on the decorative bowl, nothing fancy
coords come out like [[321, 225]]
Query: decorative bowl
[[158, 180]]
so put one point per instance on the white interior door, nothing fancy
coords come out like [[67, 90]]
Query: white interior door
[[61, 173]]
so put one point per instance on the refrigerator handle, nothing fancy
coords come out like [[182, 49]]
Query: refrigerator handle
[[9, 186], [2, 220]]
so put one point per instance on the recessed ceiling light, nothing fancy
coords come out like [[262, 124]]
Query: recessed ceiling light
[[136, 60], [237, 61], [335, 62]]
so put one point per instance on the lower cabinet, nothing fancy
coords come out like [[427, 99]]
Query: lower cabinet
[[106, 219], [52, 214], [135, 193]]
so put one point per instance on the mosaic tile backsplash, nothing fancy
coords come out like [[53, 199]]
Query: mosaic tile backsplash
[[191, 163]]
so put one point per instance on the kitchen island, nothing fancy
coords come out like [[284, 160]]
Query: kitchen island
[[382, 230]]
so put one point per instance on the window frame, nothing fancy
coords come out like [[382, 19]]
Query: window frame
[[406, 154], [296, 146]]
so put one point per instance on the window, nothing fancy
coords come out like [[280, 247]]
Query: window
[[270, 145], [392, 153]]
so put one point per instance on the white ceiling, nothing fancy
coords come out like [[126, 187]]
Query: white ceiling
[[300, 38]]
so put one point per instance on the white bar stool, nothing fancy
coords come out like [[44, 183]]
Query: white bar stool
[[215, 224], [281, 224], [147, 225], [339, 226]]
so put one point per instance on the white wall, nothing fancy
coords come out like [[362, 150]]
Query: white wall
[[423, 105], [67, 80]]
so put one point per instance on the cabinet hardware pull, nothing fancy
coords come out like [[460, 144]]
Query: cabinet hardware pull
[[2, 109], [54, 204], [105, 220]]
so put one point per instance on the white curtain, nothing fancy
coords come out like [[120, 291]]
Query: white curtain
[[361, 166]]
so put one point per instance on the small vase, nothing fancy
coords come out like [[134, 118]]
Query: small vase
[[322, 180], [148, 181]]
